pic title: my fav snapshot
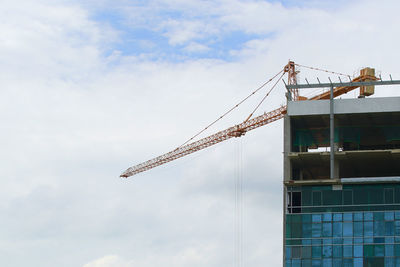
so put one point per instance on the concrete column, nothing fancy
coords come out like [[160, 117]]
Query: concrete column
[[287, 147]]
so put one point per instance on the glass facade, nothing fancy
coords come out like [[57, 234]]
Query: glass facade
[[357, 225]]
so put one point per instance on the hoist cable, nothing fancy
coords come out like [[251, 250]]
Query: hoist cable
[[239, 206]]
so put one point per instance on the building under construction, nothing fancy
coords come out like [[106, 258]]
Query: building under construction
[[341, 171], [342, 180]]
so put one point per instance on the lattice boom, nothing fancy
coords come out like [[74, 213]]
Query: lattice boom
[[216, 138]]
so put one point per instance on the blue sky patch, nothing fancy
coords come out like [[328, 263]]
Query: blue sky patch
[[152, 39]]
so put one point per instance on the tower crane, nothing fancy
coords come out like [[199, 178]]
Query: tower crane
[[244, 127]]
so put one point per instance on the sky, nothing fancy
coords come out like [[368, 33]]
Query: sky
[[90, 88]]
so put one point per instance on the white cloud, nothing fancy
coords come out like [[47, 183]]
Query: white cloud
[[182, 31], [196, 47], [73, 119], [107, 261]]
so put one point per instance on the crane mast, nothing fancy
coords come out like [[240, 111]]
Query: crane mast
[[242, 128]]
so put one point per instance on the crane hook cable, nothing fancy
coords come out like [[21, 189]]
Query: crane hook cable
[[262, 100], [234, 107]]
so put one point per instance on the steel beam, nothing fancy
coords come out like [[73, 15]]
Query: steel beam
[[341, 84]]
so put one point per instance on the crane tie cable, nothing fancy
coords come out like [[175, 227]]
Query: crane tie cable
[[262, 100], [234, 107], [328, 71]]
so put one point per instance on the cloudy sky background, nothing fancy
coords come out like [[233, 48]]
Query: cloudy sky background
[[89, 88]]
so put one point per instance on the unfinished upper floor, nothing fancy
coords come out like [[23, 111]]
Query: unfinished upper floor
[[366, 139]]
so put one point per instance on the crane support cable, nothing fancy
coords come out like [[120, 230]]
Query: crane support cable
[[262, 100], [328, 71], [234, 107], [234, 131]]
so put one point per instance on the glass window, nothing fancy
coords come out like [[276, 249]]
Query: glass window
[[368, 229], [296, 218], [389, 240], [316, 252], [306, 218], [327, 251], [347, 251], [374, 262], [368, 216], [360, 196], [397, 228], [397, 195], [288, 252], [376, 195], [306, 263], [316, 229], [358, 216], [358, 240], [337, 229], [348, 241], [368, 240], [306, 230], [389, 228], [337, 251], [397, 250], [288, 229], [316, 263], [379, 250], [296, 230], [378, 216], [389, 250], [379, 228], [337, 217], [369, 251], [296, 242], [316, 218], [327, 217], [348, 197], [306, 198], [389, 216], [348, 217], [327, 229], [332, 197], [348, 263], [389, 196], [327, 241], [338, 241], [337, 262], [306, 252], [288, 263], [316, 241], [296, 202], [389, 262], [316, 197], [327, 262], [358, 229], [296, 252], [296, 263], [347, 229], [358, 262], [358, 251]]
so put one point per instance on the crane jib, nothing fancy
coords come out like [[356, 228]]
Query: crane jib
[[207, 141]]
